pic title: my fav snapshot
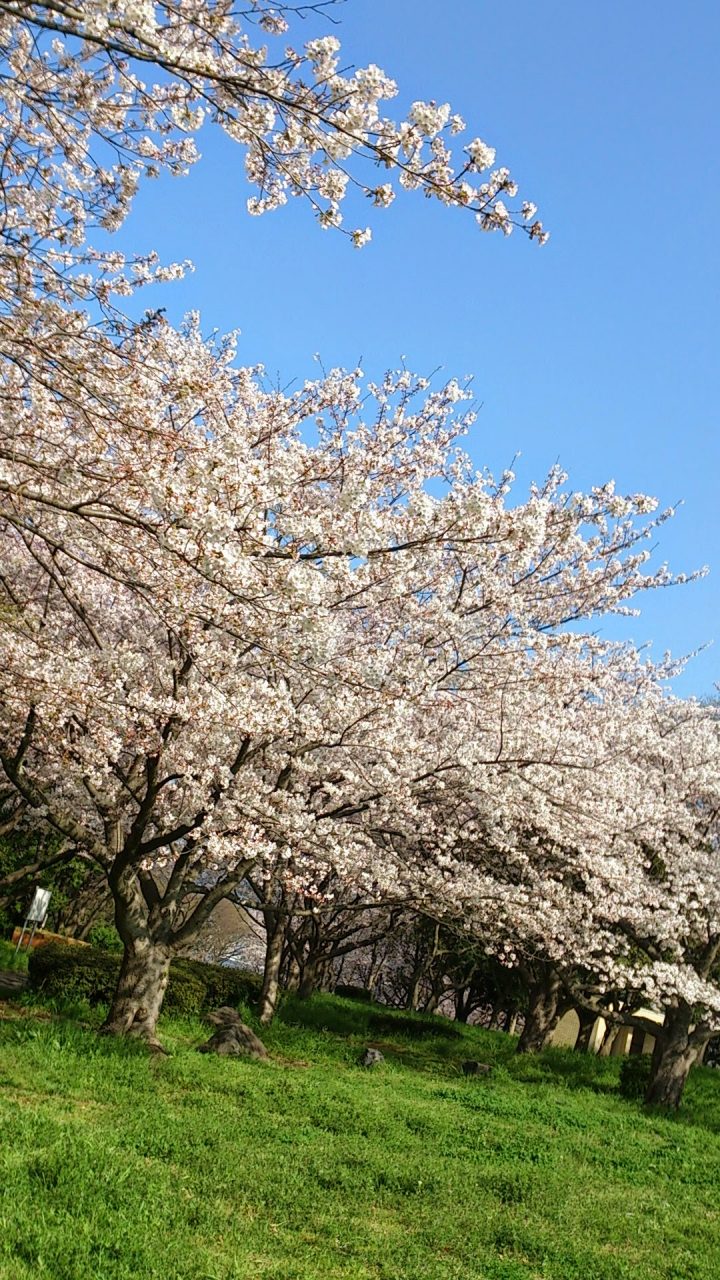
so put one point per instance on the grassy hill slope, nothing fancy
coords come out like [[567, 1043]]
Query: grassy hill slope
[[114, 1165]]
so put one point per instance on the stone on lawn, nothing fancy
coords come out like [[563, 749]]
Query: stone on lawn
[[232, 1037], [472, 1068], [371, 1058]]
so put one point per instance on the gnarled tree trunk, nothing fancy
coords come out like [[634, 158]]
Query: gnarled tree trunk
[[145, 968], [140, 992], [543, 1014], [677, 1049]]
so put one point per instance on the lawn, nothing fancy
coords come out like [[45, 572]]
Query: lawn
[[115, 1165], [10, 961]]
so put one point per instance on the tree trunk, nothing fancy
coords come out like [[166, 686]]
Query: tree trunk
[[413, 999], [462, 1004], [587, 1022], [145, 968], [137, 1002], [432, 1002], [497, 1016], [374, 978], [677, 1049], [292, 974], [606, 1040], [542, 1016], [509, 1022], [276, 925], [309, 980]]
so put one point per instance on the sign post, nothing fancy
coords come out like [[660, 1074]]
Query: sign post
[[36, 915]]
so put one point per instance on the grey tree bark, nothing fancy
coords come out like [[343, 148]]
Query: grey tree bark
[[147, 919], [678, 1046], [310, 979], [543, 1013], [140, 992], [276, 926], [145, 967]]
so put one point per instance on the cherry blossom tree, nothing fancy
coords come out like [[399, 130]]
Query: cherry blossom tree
[[309, 936], [218, 640], [534, 831], [227, 652], [658, 915], [668, 928], [606, 895]]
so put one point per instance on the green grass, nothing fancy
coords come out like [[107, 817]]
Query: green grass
[[9, 961], [115, 1165]]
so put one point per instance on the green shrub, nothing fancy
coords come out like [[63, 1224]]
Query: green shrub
[[635, 1076], [106, 938], [348, 992], [9, 959], [223, 985], [186, 993], [62, 971]]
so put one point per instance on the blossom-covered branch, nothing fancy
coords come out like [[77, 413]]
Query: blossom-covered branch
[[82, 126]]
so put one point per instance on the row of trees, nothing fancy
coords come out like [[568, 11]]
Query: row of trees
[[292, 644], [603, 897]]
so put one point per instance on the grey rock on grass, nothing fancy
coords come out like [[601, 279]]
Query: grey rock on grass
[[472, 1068], [371, 1058], [232, 1037]]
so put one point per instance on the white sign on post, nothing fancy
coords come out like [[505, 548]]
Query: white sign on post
[[39, 906], [37, 912]]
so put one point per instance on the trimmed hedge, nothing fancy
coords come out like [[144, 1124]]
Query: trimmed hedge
[[223, 985], [360, 1018], [105, 937], [73, 973], [88, 973], [348, 992], [635, 1076], [185, 993]]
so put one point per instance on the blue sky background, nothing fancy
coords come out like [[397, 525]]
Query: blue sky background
[[599, 351]]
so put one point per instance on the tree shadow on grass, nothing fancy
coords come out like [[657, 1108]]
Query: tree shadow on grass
[[425, 1043], [353, 1018], [565, 1068], [63, 1024], [701, 1106], [577, 1071]]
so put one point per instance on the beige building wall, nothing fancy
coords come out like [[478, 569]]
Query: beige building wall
[[566, 1033]]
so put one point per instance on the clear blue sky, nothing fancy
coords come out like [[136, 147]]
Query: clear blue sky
[[600, 350]]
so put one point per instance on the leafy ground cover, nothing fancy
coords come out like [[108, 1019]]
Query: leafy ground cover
[[9, 961], [115, 1165]]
